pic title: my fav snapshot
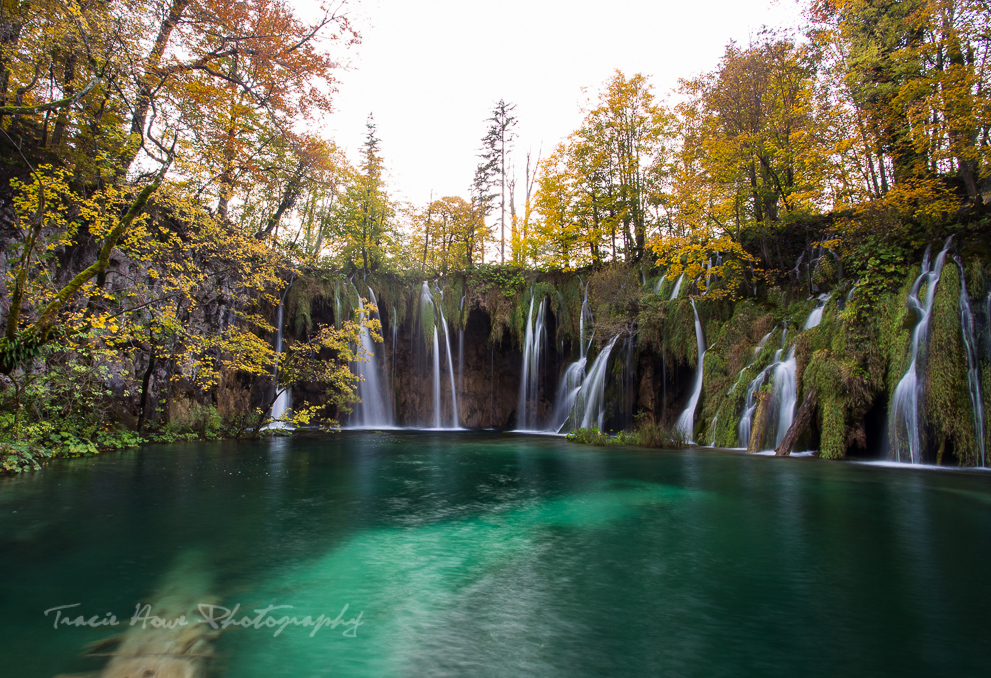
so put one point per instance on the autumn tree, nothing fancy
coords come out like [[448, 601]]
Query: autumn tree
[[915, 74], [754, 147], [602, 186]]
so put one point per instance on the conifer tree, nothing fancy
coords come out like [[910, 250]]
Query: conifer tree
[[495, 146]]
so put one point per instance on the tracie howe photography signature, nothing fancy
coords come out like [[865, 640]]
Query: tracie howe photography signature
[[276, 618]]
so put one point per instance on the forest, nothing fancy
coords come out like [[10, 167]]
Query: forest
[[794, 244]]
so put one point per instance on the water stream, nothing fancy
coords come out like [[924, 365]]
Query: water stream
[[968, 335], [374, 410], [283, 397], [686, 422], [904, 414], [534, 341]]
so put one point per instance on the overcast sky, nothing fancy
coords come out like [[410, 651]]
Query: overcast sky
[[431, 70]]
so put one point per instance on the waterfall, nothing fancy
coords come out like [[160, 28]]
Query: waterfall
[[567, 393], [973, 375], [450, 364], [461, 346], [574, 375], [374, 408], [760, 344], [660, 284], [426, 297], [533, 343], [589, 407], [283, 398], [903, 414], [712, 439], [798, 267], [750, 406], [687, 419], [816, 316], [785, 394], [677, 287], [585, 313], [437, 403]]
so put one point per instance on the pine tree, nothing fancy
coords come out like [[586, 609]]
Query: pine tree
[[495, 145]]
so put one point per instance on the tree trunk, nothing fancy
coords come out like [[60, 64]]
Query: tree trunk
[[759, 423], [801, 422]]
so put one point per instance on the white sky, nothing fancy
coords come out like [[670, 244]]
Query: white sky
[[431, 70]]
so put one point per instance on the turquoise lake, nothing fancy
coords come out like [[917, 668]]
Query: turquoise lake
[[477, 554]]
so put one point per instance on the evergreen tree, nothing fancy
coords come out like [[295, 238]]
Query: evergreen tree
[[360, 222], [492, 169]]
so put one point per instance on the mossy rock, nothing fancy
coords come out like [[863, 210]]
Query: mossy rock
[[948, 409]]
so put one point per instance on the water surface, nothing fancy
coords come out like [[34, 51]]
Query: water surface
[[501, 555]]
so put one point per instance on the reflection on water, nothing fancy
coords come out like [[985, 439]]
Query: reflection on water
[[495, 555]]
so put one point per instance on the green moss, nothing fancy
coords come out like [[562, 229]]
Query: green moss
[[309, 292], [395, 294], [825, 373], [680, 332], [947, 401], [825, 272], [896, 323], [427, 319]]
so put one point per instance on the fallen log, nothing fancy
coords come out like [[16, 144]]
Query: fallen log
[[798, 425]]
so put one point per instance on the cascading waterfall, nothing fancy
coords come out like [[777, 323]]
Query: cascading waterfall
[[589, 408], [750, 405], [574, 375], [374, 409], [450, 363], [677, 287], [686, 421], [760, 344], [461, 346], [757, 350], [816, 316], [283, 399], [797, 271], [533, 345], [427, 298], [785, 394], [903, 415], [584, 346], [660, 284], [437, 403], [973, 375], [567, 393]]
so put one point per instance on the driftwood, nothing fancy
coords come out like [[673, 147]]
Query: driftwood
[[143, 651], [801, 422]]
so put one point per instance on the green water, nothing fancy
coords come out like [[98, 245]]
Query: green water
[[506, 555]]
